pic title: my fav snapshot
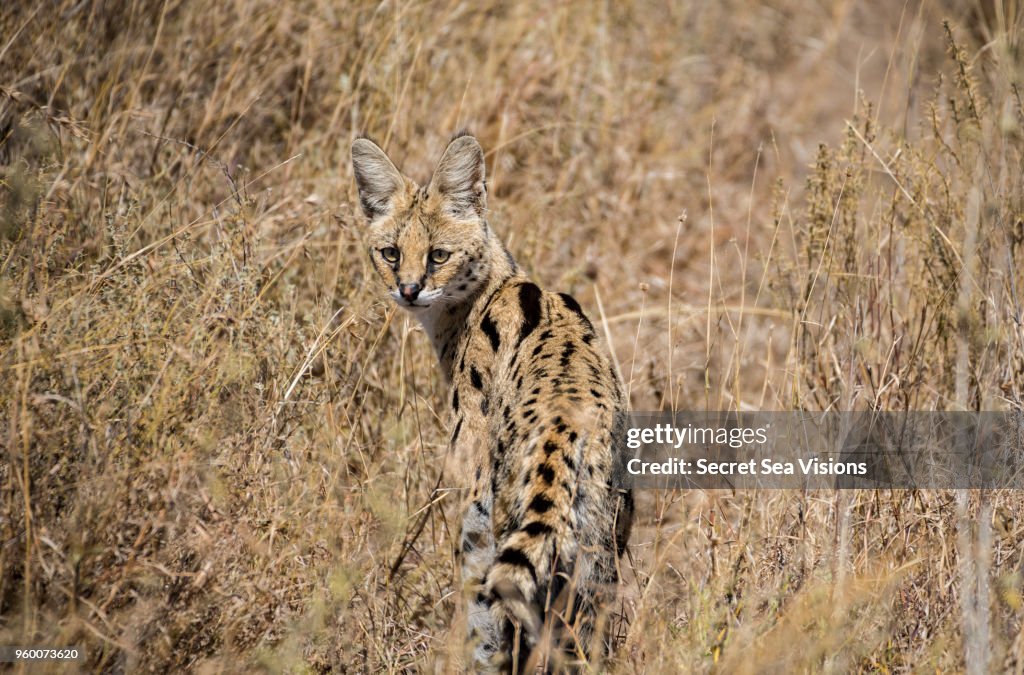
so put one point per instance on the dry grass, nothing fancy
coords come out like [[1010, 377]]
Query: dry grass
[[221, 444]]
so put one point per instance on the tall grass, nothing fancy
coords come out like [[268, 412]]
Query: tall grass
[[221, 444]]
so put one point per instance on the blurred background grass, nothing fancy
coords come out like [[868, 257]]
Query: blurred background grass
[[221, 443]]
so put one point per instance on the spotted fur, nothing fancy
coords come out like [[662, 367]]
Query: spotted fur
[[538, 415]]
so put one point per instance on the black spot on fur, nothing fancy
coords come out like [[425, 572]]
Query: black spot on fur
[[537, 528], [529, 304], [455, 434], [540, 504], [571, 304], [574, 307], [550, 447], [516, 558], [547, 472], [491, 331], [455, 400], [572, 436], [475, 378]]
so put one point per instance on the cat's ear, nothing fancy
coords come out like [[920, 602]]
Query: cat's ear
[[377, 178], [459, 178]]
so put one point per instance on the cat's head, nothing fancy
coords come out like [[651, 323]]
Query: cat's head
[[430, 244]]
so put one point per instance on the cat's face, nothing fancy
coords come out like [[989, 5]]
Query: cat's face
[[428, 244]]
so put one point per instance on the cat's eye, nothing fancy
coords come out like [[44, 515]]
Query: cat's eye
[[390, 254], [438, 256]]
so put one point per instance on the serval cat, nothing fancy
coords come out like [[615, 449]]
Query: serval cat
[[538, 415]]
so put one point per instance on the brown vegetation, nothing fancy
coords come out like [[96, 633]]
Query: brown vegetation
[[220, 443]]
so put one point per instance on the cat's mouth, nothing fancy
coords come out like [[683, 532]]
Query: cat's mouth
[[424, 300]]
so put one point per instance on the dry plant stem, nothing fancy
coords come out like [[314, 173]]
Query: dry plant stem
[[972, 532], [669, 382]]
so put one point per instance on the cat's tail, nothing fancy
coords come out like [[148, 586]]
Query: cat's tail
[[535, 569]]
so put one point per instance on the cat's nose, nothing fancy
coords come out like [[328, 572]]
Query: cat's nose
[[409, 291]]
